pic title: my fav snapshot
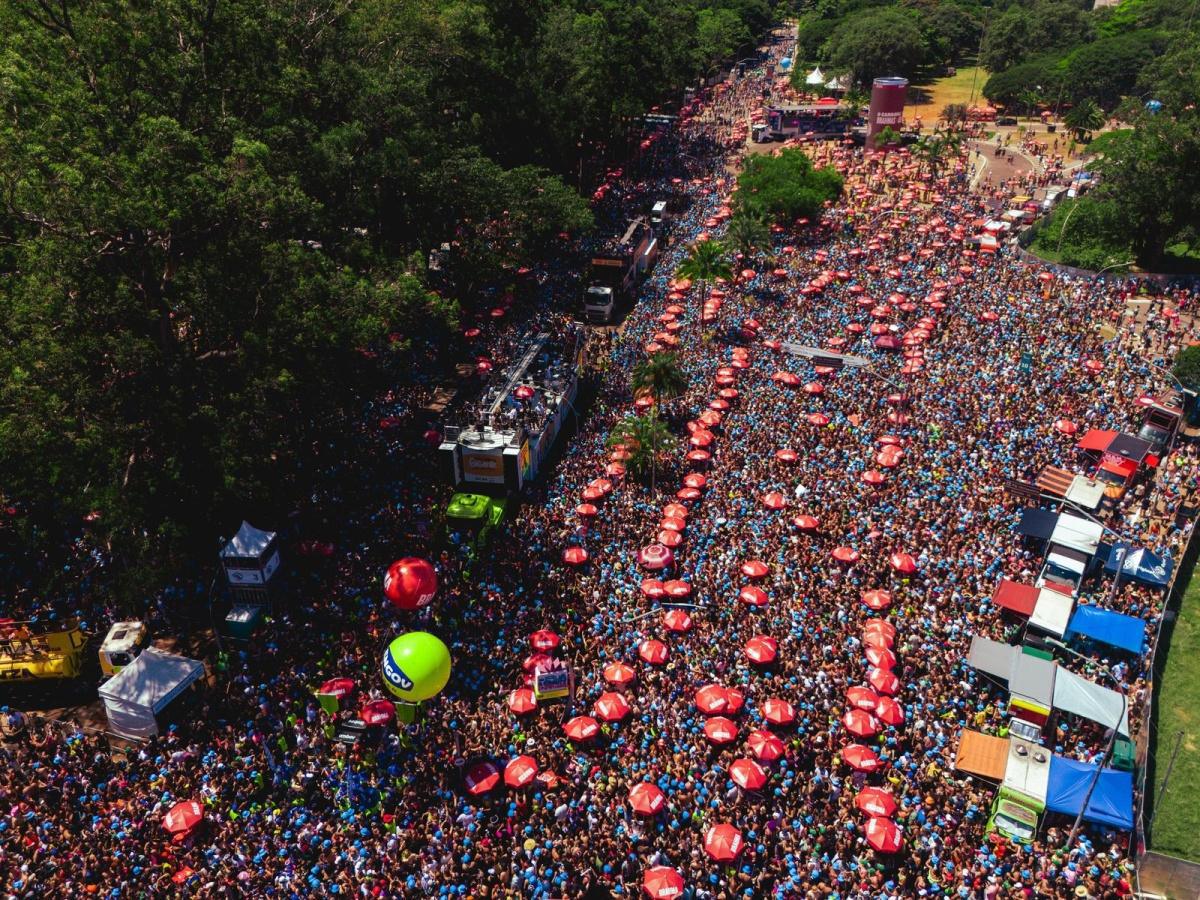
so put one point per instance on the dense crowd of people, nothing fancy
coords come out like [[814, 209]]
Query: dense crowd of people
[[291, 812]]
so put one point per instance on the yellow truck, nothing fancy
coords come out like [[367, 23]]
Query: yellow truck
[[40, 651]]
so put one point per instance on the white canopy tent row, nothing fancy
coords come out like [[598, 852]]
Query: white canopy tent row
[[135, 696], [1047, 684]]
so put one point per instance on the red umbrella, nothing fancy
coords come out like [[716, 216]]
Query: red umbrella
[[646, 799], [535, 660], [701, 438], [720, 730], [695, 480], [877, 599], [712, 699], [652, 588], [1065, 426], [677, 589], [876, 639], [337, 687], [575, 556], [884, 835], [755, 568], [675, 511], [862, 698], [765, 746], [778, 712], [875, 801], [774, 500], [582, 728], [653, 652], [544, 641], [672, 523], [880, 625], [377, 712], [846, 555], [522, 701], [688, 493], [747, 774], [619, 673], [1094, 366], [814, 388], [753, 596], [904, 563], [860, 723], [889, 711], [787, 455], [759, 651], [662, 883], [183, 816], [873, 477], [881, 657], [864, 759], [656, 557], [883, 681], [520, 772], [611, 707], [806, 523], [723, 842], [677, 620], [670, 539], [481, 778], [587, 510]]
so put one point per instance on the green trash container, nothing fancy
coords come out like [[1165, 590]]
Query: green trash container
[[242, 620], [1123, 755]]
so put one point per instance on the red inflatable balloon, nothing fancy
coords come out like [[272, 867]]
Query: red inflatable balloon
[[410, 583]]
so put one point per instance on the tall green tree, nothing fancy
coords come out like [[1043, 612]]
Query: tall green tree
[[784, 188], [1084, 118], [749, 235], [706, 261], [660, 375], [647, 440], [877, 42]]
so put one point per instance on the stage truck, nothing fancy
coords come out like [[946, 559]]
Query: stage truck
[[617, 267], [508, 436], [817, 120]]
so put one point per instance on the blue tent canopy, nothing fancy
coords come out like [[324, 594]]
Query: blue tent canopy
[[1112, 628], [1140, 565], [1111, 802]]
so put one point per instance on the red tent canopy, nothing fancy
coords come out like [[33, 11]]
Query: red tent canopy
[[1020, 598]]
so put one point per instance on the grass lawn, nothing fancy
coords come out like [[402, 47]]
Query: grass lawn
[[927, 100], [1176, 828]]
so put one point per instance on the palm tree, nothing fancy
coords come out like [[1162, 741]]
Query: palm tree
[[1084, 117], [706, 262], [661, 376], [934, 150], [749, 234], [646, 438]]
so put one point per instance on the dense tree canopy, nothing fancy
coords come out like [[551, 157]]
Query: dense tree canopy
[[785, 187], [216, 216]]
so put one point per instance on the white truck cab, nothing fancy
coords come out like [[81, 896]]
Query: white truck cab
[[598, 303]]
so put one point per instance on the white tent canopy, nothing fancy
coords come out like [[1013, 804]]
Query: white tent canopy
[[248, 543], [815, 77], [144, 688], [841, 83], [1077, 695], [1052, 612], [1078, 534]]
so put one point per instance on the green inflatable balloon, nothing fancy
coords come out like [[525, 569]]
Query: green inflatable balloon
[[416, 666]]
